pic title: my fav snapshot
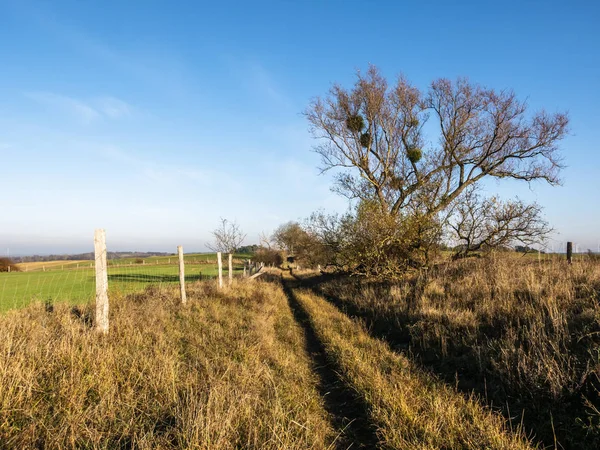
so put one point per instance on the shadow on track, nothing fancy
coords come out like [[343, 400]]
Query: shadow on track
[[349, 413]]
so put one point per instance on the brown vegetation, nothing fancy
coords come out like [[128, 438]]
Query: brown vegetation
[[410, 409], [523, 334], [7, 265], [229, 371]]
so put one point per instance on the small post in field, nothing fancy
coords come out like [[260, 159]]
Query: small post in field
[[244, 270], [101, 281], [181, 274], [220, 264], [230, 269], [569, 252]]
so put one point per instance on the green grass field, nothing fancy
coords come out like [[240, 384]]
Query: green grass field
[[75, 282]]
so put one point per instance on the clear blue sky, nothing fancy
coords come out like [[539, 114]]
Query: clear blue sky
[[152, 119]]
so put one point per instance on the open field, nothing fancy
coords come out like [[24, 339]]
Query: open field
[[497, 353], [75, 284], [259, 365], [192, 258], [40, 265]]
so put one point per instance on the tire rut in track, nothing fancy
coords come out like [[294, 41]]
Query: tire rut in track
[[349, 413]]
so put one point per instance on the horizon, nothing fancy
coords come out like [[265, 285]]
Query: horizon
[[137, 120]]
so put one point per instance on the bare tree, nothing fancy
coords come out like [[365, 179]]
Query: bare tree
[[228, 237], [8, 265], [374, 134], [483, 224], [265, 241]]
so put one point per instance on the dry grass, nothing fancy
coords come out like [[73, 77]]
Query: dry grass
[[227, 371], [410, 408], [50, 264], [524, 335]]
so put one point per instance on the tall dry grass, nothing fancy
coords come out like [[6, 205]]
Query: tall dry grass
[[411, 409], [523, 334], [227, 371]]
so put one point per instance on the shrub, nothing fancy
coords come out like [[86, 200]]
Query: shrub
[[6, 264]]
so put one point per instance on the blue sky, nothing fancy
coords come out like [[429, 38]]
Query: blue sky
[[153, 119]]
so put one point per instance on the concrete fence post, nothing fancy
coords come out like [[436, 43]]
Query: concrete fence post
[[101, 281], [230, 269]]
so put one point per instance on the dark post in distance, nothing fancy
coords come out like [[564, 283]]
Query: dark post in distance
[[569, 252]]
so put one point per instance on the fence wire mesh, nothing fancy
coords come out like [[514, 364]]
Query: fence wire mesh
[[74, 281]]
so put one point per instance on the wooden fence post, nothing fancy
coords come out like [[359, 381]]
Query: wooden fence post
[[220, 263], [230, 269], [101, 281], [569, 252], [181, 274]]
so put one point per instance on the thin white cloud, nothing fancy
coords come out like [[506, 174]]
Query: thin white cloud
[[169, 173], [72, 106], [264, 82], [113, 107], [258, 80], [84, 111]]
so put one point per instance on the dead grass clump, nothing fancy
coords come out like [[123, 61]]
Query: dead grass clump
[[227, 371]]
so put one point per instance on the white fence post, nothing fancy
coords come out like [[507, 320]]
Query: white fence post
[[230, 269], [220, 263], [101, 281], [181, 274]]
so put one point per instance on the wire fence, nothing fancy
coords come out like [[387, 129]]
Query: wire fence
[[74, 281]]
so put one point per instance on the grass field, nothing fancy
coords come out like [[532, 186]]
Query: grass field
[[263, 365], [41, 265], [496, 353], [74, 282]]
